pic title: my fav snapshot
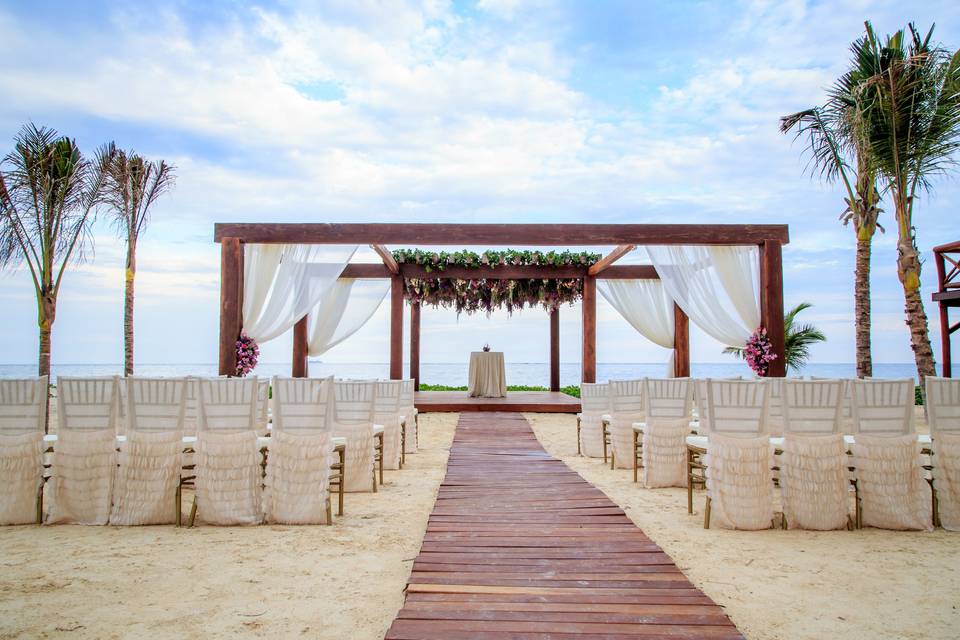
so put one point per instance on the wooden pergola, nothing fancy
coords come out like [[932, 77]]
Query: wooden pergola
[[947, 296], [622, 237]]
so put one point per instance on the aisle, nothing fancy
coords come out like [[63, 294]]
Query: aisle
[[520, 546]]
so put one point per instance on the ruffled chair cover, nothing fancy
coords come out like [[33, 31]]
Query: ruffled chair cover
[[359, 456], [890, 478], [621, 438], [591, 435], [298, 478], [21, 476], [740, 481], [388, 412], [946, 478], [81, 477], [391, 440], [228, 483], [814, 482], [665, 452], [148, 474], [409, 411]]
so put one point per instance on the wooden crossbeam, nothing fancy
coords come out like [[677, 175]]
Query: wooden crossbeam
[[502, 272], [610, 258], [387, 257]]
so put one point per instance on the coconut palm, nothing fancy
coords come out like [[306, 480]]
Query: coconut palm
[[908, 112], [133, 185], [798, 338], [838, 153], [48, 195]]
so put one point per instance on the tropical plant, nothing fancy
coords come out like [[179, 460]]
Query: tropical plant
[[908, 112], [133, 185], [48, 196], [798, 338], [837, 152]]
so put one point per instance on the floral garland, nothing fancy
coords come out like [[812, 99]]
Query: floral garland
[[485, 295], [248, 352], [758, 352]]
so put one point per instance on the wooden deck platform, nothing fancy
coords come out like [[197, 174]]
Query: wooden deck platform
[[519, 546], [516, 401]]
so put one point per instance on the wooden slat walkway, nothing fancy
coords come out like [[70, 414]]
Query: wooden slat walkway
[[520, 546], [516, 401]]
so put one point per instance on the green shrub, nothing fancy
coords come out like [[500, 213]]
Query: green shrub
[[571, 390]]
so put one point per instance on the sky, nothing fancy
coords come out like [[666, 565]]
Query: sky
[[474, 111]]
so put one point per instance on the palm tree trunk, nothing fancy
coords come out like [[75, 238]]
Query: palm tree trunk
[[861, 297], [131, 273], [908, 270], [47, 311]]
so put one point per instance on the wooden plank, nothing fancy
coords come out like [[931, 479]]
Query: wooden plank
[[589, 307], [681, 343], [538, 235], [771, 304], [608, 260], [388, 260], [554, 349], [415, 344], [520, 546], [300, 348], [629, 272], [231, 303]]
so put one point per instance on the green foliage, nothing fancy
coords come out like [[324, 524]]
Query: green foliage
[[798, 339], [570, 390], [439, 260]]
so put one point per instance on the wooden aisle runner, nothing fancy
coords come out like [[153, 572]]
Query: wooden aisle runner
[[520, 546]]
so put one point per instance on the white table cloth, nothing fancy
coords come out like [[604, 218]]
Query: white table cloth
[[488, 376]]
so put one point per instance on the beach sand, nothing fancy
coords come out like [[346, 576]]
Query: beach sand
[[789, 584], [344, 581]]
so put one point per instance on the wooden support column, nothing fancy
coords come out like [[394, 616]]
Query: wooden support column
[[396, 328], [300, 348], [231, 303], [555, 349], [589, 358], [415, 344], [681, 343], [771, 303]]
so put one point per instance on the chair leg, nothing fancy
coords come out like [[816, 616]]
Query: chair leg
[[934, 505], [178, 503], [706, 514], [636, 453], [605, 444], [381, 463], [403, 444], [343, 480], [329, 508], [193, 512], [578, 436], [40, 504]]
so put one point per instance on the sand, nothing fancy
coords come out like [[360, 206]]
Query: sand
[[790, 584], [344, 581]]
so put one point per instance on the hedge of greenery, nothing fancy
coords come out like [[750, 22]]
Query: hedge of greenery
[[570, 390]]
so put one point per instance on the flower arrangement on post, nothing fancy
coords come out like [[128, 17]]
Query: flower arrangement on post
[[758, 352], [248, 351]]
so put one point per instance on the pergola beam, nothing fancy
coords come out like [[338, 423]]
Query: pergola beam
[[541, 235], [610, 258], [502, 272], [388, 260]]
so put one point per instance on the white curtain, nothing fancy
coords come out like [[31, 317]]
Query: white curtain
[[349, 305], [282, 283], [647, 306], [716, 286]]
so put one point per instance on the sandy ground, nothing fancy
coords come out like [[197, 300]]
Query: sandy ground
[[790, 584], [344, 581]]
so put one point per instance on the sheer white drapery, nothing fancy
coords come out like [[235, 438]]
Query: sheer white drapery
[[647, 306], [716, 286], [341, 313], [282, 283]]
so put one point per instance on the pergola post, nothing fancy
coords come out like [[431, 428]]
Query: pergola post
[[415, 344], [771, 303], [589, 304], [231, 303], [681, 343], [396, 327], [300, 348], [555, 349]]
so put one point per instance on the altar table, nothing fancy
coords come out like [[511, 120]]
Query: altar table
[[488, 377]]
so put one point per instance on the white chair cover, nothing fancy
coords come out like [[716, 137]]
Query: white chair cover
[[409, 411], [151, 457], [354, 403], [297, 487], [85, 456], [669, 409], [893, 491], [228, 482], [263, 406], [943, 414], [883, 407], [627, 407], [595, 406], [813, 468], [23, 407], [388, 413]]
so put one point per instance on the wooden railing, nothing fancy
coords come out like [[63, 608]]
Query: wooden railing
[[947, 257]]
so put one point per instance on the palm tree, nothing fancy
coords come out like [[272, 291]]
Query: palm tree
[[908, 112], [798, 339], [837, 152], [48, 194], [133, 185]]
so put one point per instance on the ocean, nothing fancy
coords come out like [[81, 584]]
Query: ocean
[[455, 374]]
